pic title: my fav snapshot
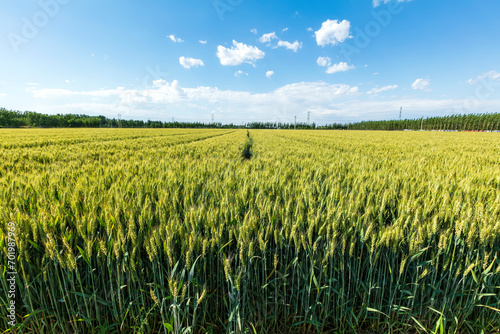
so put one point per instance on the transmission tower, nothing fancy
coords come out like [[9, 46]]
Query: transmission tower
[[308, 117], [295, 124], [400, 112], [119, 120]]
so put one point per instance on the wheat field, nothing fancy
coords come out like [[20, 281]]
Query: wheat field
[[266, 231]]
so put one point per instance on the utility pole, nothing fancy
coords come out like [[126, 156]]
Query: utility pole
[[308, 116], [172, 120], [212, 118], [422, 124], [400, 112], [119, 120], [295, 124]]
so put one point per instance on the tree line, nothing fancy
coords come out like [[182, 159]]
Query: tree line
[[469, 122], [16, 119]]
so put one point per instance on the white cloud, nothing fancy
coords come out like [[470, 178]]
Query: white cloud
[[269, 74], [377, 3], [279, 104], [488, 76], [340, 67], [253, 31], [190, 62], [50, 93], [3, 94], [310, 93], [32, 84], [266, 38], [335, 68], [310, 29], [202, 42], [376, 73], [377, 90], [329, 103], [333, 32], [174, 39], [238, 54], [92, 55], [239, 73], [323, 61], [290, 46], [284, 30], [421, 84]]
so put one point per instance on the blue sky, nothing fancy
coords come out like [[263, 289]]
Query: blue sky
[[242, 60]]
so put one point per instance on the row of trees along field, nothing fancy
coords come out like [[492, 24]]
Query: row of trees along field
[[470, 122], [16, 119]]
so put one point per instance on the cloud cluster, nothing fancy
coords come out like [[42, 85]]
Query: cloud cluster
[[378, 90], [277, 104], [488, 76], [163, 91], [421, 84], [333, 32], [335, 68], [323, 61], [190, 62], [238, 54], [174, 39], [239, 73], [290, 46], [327, 102], [266, 38], [340, 67]]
